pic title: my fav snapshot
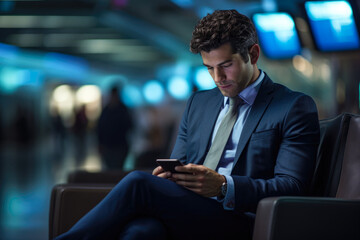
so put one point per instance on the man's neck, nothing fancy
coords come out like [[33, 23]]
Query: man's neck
[[256, 74]]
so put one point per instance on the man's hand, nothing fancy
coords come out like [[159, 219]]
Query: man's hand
[[199, 179], [159, 171]]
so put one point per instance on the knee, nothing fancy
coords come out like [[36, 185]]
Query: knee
[[136, 185], [137, 176], [132, 179]]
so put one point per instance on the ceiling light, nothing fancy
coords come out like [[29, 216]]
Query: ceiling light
[[32, 21]]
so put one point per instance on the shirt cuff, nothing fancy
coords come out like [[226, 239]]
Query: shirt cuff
[[229, 200]]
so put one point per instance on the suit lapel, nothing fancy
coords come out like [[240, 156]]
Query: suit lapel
[[211, 111], [261, 102]]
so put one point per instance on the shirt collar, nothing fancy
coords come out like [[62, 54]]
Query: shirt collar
[[249, 94]]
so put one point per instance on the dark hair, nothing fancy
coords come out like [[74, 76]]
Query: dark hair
[[224, 26]]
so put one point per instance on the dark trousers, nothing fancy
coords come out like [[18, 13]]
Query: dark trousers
[[142, 206]]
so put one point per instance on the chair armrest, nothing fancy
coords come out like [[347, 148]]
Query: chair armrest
[[310, 218], [102, 177], [69, 202]]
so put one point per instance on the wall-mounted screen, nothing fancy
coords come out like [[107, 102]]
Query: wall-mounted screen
[[332, 25], [277, 35]]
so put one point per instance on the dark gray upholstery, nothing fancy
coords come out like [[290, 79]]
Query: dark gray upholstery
[[69, 202], [333, 135], [349, 187]]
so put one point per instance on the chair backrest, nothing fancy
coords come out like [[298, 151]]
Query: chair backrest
[[69, 202], [349, 185], [335, 156], [102, 177], [333, 134]]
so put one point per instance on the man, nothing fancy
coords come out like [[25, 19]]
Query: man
[[270, 150]]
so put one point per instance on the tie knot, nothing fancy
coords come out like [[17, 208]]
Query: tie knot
[[234, 103]]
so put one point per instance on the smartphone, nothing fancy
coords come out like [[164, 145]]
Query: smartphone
[[169, 164]]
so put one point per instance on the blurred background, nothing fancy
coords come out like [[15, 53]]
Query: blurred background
[[79, 78]]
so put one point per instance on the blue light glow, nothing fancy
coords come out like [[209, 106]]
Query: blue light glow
[[8, 53], [31, 77], [13, 78], [66, 65], [6, 6], [21, 207], [108, 81], [131, 96], [179, 88], [277, 35], [183, 3], [10, 80], [153, 92], [203, 11], [203, 79], [332, 25]]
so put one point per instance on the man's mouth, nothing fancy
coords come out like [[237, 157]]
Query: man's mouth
[[224, 86]]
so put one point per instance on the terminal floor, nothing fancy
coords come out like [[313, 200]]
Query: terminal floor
[[27, 174]]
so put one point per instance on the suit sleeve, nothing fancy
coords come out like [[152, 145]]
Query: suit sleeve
[[294, 161], [179, 150]]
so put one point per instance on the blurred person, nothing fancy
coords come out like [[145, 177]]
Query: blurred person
[[113, 130], [270, 150], [81, 121], [80, 128], [23, 126], [58, 131]]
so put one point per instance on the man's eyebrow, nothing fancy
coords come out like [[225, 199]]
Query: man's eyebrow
[[222, 63]]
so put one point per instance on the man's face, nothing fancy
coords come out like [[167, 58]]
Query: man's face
[[228, 70]]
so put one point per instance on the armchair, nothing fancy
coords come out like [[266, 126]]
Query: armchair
[[333, 210], [69, 202]]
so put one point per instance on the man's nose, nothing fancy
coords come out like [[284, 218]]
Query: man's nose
[[219, 75]]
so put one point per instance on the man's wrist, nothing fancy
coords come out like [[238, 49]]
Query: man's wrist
[[223, 188]]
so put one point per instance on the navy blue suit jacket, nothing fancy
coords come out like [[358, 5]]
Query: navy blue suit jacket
[[277, 147]]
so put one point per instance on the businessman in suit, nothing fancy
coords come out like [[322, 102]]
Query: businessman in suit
[[270, 150]]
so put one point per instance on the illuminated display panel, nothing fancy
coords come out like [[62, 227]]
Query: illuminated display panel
[[332, 25], [277, 35]]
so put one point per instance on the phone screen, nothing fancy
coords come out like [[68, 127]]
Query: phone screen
[[169, 164]]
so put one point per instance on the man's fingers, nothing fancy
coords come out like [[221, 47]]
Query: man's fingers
[[164, 175], [185, 169], [184, 177], [191, 168], [189, 185], [157, 170]]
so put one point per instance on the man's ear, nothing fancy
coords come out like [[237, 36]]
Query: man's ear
[[254, 53]]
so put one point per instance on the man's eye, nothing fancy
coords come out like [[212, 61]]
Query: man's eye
[[227, 65]]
